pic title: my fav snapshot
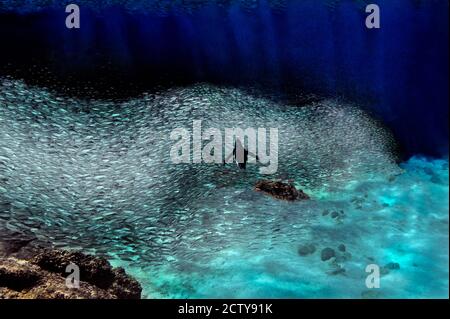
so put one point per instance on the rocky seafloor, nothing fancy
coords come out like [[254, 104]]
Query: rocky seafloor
[[96, 176], [28, 272]]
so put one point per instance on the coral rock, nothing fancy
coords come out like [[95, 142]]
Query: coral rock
[[327, 253], [44, 277], [307, 249], [94, 270], [280, 190]]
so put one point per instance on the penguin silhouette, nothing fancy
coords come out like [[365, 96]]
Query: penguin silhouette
[[240, 155]]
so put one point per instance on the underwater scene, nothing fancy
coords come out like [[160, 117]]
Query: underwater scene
[[224, 149]]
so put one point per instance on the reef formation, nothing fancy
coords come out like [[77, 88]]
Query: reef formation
[[42, 275], [280, 190]]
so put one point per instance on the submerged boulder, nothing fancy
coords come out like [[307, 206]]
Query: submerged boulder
[[44, 277], [95, 270], [280, 190], [8, 247], [327, 253], [305, 250], [20, 279], [18, 274]]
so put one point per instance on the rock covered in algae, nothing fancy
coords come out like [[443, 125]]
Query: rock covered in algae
[[280, 190], [44, 277], [95, 270]]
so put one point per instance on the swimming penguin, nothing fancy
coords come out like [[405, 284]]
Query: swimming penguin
[[240, 155]]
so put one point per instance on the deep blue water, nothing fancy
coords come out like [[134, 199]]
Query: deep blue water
[[399, 71]]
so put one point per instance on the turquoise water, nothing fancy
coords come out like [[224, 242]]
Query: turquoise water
[[404, 220], [95, 175]]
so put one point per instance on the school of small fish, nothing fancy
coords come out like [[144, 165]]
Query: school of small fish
[[97, 174]]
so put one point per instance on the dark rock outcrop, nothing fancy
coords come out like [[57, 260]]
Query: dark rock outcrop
[[18, 275], [44, 277], [386, 269], [327, 253], [280, 190], [8, 247], [305, 250], [392, 266], [123, 286], [94, 270], [20, 279]]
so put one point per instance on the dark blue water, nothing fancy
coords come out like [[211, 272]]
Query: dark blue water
[[399, 71]]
